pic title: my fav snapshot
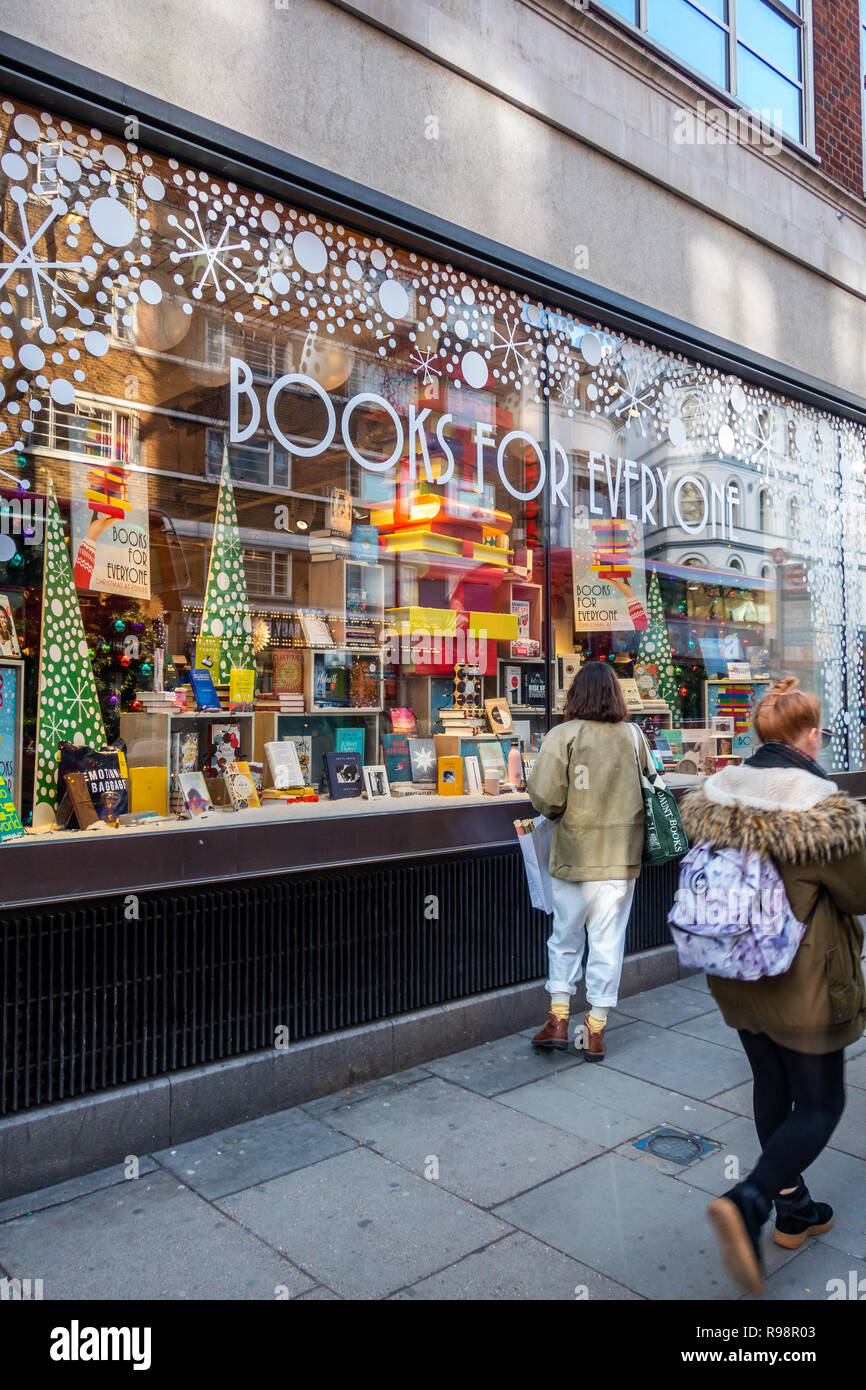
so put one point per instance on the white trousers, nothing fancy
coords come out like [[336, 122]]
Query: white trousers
[[600, 912]]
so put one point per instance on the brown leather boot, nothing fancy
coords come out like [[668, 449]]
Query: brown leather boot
[[554, 1034], [594, 1046]]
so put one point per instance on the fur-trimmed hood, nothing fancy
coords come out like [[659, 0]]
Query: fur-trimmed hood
[[785, 812]]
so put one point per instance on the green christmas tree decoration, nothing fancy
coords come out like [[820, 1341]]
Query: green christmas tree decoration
[[655, 650], [68, 705], [226, 612]]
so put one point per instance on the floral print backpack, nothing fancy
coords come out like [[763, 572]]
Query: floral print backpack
[[731, 915]]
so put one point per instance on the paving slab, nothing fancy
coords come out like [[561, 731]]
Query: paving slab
[[856, 1049], [686, 1065], [253, 1152], [712, 1028], [518, 1268], [384, 1086], [606, 1107], [477, 1148], [738, 1099], [362, 1225], [667, 1005], [840, 1179], [693, 982], [157, 1241], [808, 1277], [855, 1072], [636, 1227], [61, 1192], [318, 1295], [502, 1065]]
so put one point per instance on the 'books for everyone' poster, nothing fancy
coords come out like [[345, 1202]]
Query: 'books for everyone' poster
[[110, 529]]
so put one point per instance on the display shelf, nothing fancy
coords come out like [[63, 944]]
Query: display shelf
[[352, 592], [148, 737]]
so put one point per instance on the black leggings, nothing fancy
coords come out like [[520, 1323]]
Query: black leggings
[[798, 1101]]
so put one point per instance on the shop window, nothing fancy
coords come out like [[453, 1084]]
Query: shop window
[[360, 589]]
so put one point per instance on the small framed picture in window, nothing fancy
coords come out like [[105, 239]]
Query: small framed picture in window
[[376, 782]]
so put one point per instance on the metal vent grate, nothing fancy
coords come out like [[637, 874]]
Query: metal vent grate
[[676, 1145], [90, 999]]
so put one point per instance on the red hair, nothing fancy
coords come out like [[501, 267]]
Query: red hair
[[786, 712]]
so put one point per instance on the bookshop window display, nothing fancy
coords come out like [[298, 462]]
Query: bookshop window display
[[278, 503]]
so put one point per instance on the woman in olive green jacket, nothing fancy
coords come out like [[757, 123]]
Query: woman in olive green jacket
[[794, 1026], [586, 779]]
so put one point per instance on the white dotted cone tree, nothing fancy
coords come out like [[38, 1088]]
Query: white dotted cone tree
[[68, 705], [226, 612], [655, 650]]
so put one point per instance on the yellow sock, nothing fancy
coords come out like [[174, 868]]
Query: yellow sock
[[559, 1010], [594, 1024]]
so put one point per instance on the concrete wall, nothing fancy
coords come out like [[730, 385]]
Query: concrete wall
[[550, 132]]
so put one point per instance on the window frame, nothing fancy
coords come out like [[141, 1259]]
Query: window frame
[[803, 22]]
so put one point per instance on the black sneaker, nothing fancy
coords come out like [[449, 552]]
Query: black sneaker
[[737, 1219], [799, 1216]]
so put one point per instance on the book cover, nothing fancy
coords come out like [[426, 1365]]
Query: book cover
[[148, 789], [9, 645], [473, 784], [304, 749], [499, 716], [520, 608], [316, 631], [207, 653], [512, 682], [284, 764], [349, 741], [330, 679], [204, 689], [395, 752], [194, 790], [450, 781], [224, 741], [364, 682], [184, 752], [10, 822], [288, 671], [365, 543], [533, 688], [402, 721], [492, 762], [339, 511], [422, 759], [240, 787], [242, 688], [344, 774]]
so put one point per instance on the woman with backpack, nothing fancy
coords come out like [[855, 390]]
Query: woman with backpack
[[586, 779], [793, 1025]]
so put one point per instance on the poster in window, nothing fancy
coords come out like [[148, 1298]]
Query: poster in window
[[11, 732], [608, 574], [110, 532]]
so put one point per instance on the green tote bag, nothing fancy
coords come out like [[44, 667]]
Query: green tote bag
[[664, 837]]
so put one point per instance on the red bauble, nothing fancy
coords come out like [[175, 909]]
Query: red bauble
[[123, 661]]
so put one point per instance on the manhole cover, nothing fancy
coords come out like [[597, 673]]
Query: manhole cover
[[675, 1145]]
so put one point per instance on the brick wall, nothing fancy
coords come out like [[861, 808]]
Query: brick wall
[[838, 88]]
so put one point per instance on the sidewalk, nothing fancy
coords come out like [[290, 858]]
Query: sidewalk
[[495, 1173]]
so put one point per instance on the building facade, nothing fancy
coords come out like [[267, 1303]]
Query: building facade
[[351, 404]]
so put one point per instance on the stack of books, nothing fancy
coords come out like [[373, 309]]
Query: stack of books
[[290, 703], [458, 721], [162, 701]]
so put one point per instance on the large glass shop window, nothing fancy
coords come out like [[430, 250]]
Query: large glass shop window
[[275, 498]]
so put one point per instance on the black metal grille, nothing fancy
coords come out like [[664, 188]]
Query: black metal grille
[[91, 998]]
